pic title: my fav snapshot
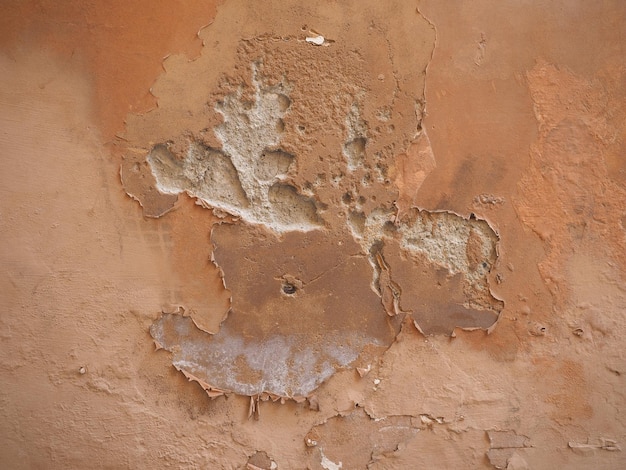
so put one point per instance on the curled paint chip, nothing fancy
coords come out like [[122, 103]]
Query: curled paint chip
[[316, 40]]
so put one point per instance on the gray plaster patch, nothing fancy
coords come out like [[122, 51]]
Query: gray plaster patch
[[248, 176]]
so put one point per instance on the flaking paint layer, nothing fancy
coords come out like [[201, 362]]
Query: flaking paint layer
[[304, 143]]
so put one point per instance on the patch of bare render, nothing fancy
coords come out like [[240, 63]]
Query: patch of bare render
[[354, 146], [259, 350], [461, 246], [248, 177], [204, 172]]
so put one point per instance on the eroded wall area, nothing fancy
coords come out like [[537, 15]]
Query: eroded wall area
[[306, 150], [448, 167]]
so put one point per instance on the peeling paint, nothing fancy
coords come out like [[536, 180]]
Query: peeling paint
[[308, 209], [368, 439], [322, 249], [589, 448], [502, 448], [328, 464]]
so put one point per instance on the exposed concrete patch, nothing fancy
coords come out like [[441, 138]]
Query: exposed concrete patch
[[246, 177], [354, 147], [434, 264], [317, 162]]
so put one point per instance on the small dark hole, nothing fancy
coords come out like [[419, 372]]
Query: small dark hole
[[485, 265], [289, 289]]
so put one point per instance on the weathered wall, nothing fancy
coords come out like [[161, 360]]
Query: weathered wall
[[402, 247]]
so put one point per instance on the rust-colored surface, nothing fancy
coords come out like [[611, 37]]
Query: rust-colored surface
[[399, 245]]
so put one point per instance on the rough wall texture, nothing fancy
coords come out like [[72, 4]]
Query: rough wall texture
[[362, 234]]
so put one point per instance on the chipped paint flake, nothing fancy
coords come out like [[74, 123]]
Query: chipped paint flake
[[315, 40], [328, 464]]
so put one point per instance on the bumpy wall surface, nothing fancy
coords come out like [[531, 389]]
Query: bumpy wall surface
[[332, 235]]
